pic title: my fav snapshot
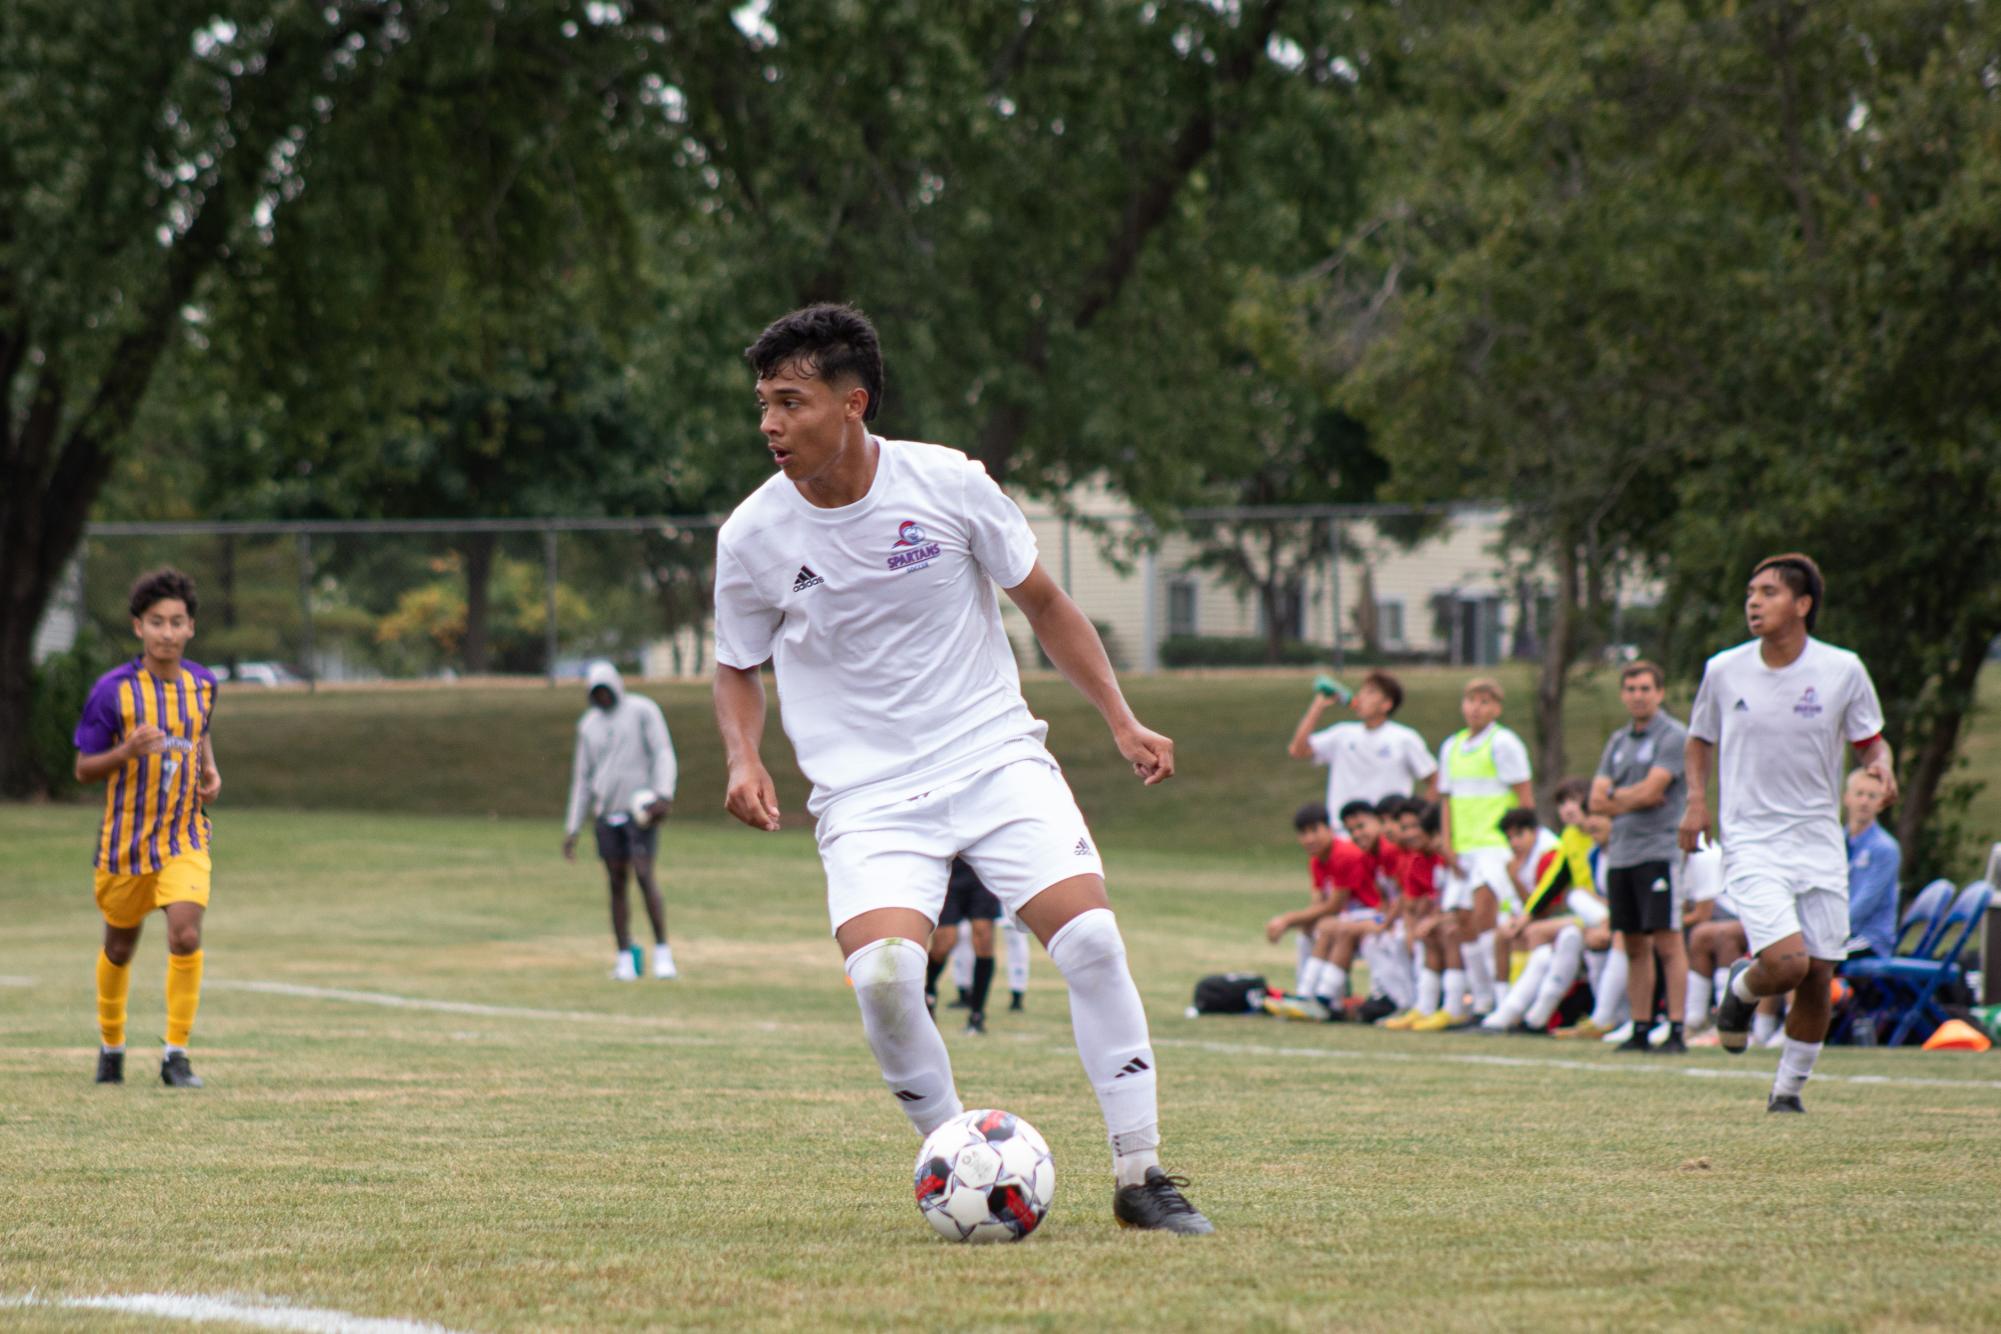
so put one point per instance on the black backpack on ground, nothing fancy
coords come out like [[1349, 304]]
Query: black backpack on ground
[[1230, 993]]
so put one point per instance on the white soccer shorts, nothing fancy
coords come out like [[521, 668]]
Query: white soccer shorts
[[1773, 907], [1016, 825], [1483, 866]]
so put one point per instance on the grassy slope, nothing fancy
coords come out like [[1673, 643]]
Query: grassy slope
[[719, 1152]]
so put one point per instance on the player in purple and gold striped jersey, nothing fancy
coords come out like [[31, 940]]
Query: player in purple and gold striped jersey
[[145, 730]]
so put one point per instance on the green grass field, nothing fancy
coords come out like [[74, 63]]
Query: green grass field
[[427, 1102]]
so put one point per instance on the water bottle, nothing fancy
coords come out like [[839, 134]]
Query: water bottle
[[1862, 1030]]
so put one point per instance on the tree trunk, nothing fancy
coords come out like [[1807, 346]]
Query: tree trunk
[[478, 552], [1558, 646], [1924, 772], [1367, 622], [17, 653]]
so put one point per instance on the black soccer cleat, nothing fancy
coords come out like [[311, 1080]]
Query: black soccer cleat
[[1014, 1006], [1157, 1205], [976, 1022], [1785, 1102], [176, 1073], [1733, 1016], [1638, 1042], [110, 1066], [1672, 1045]]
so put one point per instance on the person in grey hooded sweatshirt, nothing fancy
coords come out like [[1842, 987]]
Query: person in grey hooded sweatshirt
[[623, 750]]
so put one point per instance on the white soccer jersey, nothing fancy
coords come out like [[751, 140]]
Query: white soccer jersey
[[1779, 735], [882, 623], [1369, 763]]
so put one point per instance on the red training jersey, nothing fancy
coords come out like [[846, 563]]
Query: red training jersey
[[1346, 867]]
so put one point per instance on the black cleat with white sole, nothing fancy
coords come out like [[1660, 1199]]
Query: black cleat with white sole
[[110, 1066], [1785, 1102], [1157, 1205], [1733, 1016], [175, 1072]]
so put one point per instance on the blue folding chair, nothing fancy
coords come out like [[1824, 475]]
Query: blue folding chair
[[1910, 984], [1914, 931]]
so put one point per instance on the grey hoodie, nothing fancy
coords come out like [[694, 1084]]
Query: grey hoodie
[[619, 751]]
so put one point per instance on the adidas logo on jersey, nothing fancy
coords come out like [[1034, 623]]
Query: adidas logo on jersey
[[1135, 1066], [807, 579], [1742, 707]]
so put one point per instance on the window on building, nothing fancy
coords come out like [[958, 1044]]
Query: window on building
[[1389, 621], [1181, 606]]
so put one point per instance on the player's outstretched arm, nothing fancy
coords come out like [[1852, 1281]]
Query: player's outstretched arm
[[751, 797], [1072, 643], [145, 739], [1695, 818]]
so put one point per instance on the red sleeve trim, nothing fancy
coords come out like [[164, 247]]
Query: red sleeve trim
[[1866, 742]]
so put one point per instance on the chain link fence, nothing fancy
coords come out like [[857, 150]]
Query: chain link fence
[[415, 599]]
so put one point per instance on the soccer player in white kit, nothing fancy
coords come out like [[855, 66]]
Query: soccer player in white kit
[[864, 569], [1779, 707]]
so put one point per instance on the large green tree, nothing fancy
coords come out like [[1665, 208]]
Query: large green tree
[[340, 198]]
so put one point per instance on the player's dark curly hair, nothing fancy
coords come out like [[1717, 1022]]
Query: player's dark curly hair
[[160, 585], [1310, 816], [834, 342]]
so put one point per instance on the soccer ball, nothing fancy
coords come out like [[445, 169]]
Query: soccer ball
[[985, 1176], [642, 806]]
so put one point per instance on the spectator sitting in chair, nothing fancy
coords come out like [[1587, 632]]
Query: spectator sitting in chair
[[1874, 859]]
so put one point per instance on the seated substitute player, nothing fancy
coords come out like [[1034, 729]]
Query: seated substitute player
[[1340, 870], [864, 569], [145, 728], [1556, 903], [1778, 708], [623, 749], [968, 901], [1419, 926]]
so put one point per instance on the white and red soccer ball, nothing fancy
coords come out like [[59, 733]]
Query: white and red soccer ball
[[984, 1176]]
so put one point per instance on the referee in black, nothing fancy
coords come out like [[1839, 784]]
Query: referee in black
[[966, 900]]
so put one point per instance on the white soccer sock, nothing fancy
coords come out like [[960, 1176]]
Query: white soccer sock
[[1740, 987], [1110, 1025], [1594, 968], [1525, 989], [1455, 993], [1609, 1006], [1796, 1060], [889, 986], [1309, 978], [1017, 954], [962, 958], [1308, 966], [1429, 985], [1763, 1026], [1563, 958], [1696, 1015], [1479, 960], [1390, 970], [1333, 982]]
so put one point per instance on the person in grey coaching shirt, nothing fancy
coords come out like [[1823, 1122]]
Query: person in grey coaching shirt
[[1640, 784], [623, 749]]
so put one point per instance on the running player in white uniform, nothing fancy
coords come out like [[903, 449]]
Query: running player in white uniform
[[1779, 709], [865, 571]]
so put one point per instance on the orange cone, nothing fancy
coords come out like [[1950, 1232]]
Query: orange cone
[[1957, 1035]]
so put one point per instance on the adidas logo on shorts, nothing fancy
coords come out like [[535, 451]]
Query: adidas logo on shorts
[[1082, 849], [807, 579]]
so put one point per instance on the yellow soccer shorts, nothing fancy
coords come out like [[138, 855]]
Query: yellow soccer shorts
[[125, 900]]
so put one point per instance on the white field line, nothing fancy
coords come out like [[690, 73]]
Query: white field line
[[15, 980], [449, 1007], [257, 1312], [1660, 1066]]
